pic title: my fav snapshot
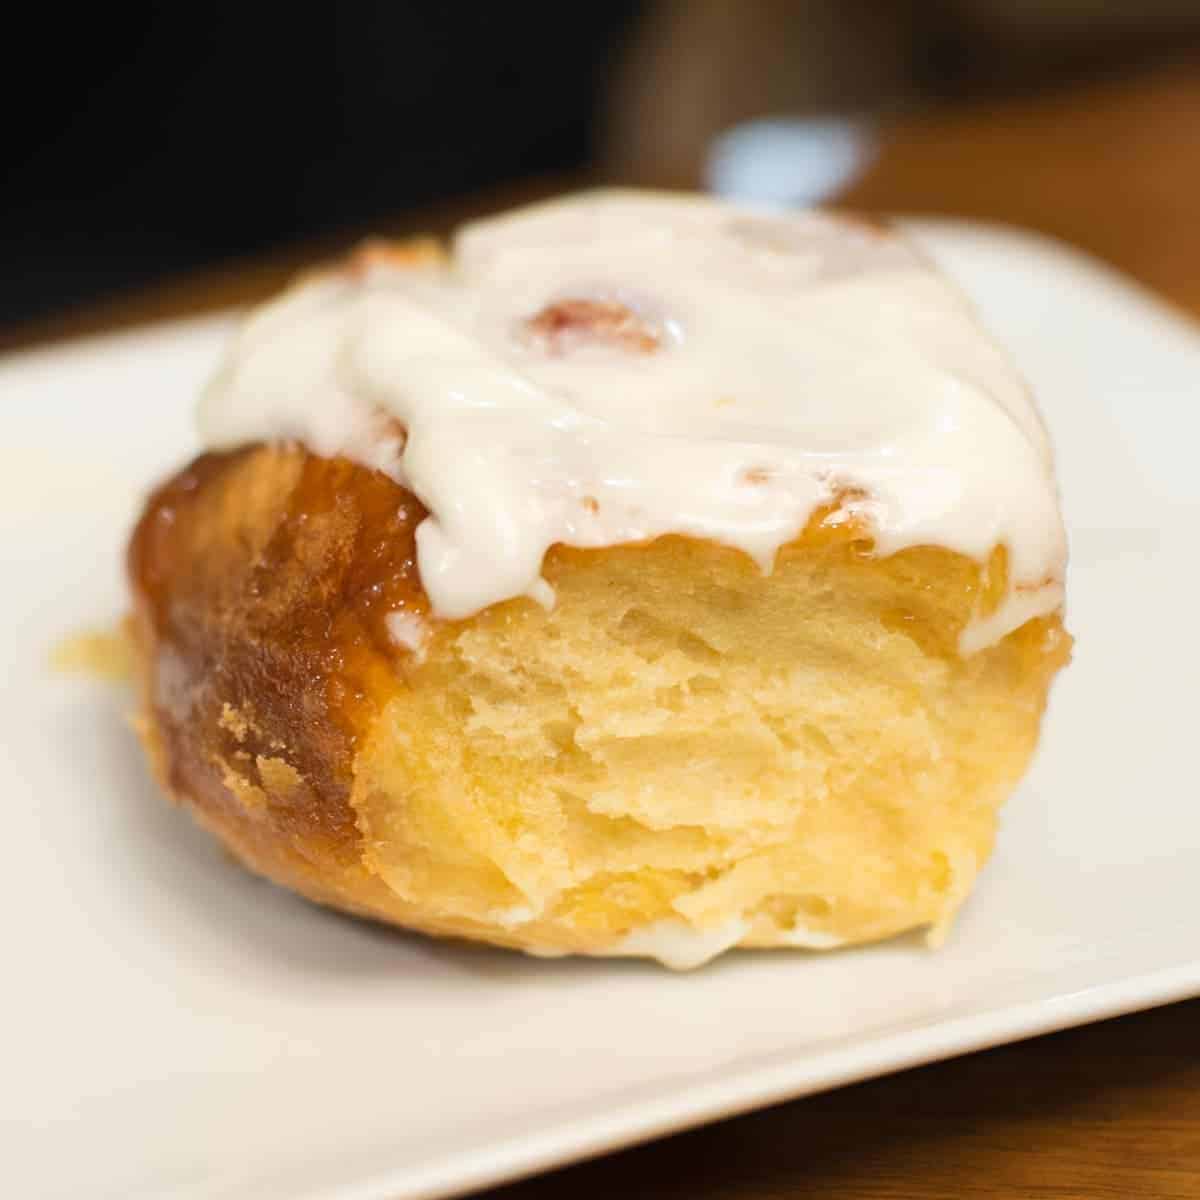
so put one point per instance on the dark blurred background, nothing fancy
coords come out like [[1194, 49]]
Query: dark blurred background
[[143, 140]]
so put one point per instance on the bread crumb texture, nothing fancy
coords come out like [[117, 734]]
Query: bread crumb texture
[[681, 737]]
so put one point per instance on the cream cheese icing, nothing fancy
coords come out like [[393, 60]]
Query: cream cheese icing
[[672, 942], [616, 366], [681, 946]]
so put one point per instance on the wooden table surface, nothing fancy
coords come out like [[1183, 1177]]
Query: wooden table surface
[[1107, 1112]]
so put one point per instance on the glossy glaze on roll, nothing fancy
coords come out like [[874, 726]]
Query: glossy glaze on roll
[[614, 367]]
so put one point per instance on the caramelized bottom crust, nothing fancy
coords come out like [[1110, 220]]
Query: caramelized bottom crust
[[680, 742]]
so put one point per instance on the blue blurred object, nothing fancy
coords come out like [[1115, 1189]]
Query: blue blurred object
[[789, 160]]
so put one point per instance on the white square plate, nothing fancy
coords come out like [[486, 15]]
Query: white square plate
[[173, 1028]]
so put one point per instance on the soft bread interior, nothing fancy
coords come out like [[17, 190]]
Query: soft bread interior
[[681, 739]]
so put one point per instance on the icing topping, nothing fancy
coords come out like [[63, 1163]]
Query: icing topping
[[616, 366], [682, 946]]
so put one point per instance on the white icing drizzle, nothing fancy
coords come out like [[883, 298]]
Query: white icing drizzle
[[804, 938], [678, 945], [798, 357], [673, 942], [514, 917], [409, 630]]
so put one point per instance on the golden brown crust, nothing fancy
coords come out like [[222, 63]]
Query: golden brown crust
[[373, 253], [261, 580]]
